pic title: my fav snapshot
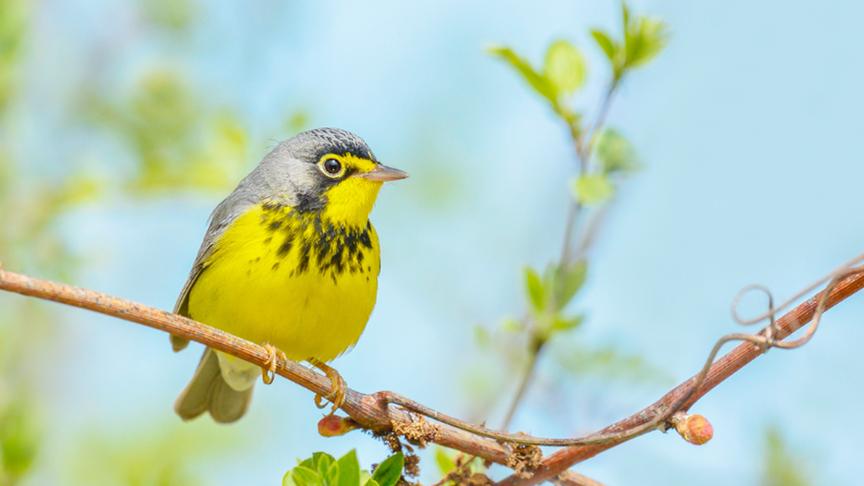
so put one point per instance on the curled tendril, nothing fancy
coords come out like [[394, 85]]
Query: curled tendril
[[765, 340], [771, 314]]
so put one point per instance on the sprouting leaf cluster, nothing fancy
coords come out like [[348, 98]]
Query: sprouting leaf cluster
[[550, 292], [564, 72], [643, 38], [322, 469]]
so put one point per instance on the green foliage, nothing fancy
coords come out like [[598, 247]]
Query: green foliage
[[537, 81], [13, 21], [615, 158], [389, 472], [536, 289], [323, 470], [19, 441], [564, 72], [592, 189], [565, 68], [643, 38], [566, 280], [556, 287], [179, 142], [172, 15], [615, 153], [349, 469], [606, 44], [548, 295], [780, 466], [445, 460]]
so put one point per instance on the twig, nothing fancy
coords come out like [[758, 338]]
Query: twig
[[574, 210], [533, 355]]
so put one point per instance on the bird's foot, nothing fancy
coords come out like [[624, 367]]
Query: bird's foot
[[337, 385], [268, 372]]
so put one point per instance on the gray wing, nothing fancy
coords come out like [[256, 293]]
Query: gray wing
[[275, 178], [221, 218]]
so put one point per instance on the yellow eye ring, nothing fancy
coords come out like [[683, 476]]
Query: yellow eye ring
[[331, 167]]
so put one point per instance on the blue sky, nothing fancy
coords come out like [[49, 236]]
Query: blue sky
[[747, 127]]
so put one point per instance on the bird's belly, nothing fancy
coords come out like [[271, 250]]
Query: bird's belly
[[252, 291]]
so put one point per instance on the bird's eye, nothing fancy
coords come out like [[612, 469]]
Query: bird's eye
[[332, 168]]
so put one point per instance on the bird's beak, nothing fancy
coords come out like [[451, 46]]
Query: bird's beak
[[382, 173]]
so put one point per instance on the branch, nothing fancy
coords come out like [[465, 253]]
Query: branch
[[373, 411], [368, 411], [844, 282]]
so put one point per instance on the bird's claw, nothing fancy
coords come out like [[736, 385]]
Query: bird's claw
[[337, 386], [268, 372]]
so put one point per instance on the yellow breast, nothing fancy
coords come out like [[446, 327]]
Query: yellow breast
[[305, 284]]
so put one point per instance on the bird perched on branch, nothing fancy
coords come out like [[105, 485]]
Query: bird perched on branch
[[290, 261]]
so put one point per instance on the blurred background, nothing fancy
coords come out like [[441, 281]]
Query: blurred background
[[122, 124]]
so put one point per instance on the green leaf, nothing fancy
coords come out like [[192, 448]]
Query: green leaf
[[316, 458], [512, 325], [625, 14], [609, 47], [388, 472], [331, 476], [444, 461], [615, 153], [567, 280], [371, 482], [565, 67], [561, 323], [305, 476], [653, 36], [349, 469], [592, 189], [323, 461], [19, 440], [536, 290], [644, 38], [534, 79]]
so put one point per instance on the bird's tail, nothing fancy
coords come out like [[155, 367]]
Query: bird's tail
[[209, 392]]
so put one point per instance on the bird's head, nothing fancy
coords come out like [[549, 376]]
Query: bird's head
[[328, 170]]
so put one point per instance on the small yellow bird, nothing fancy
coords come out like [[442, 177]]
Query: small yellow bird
[[290, 261]]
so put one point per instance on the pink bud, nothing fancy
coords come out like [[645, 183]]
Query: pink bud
[[695, 428], [334, 425]]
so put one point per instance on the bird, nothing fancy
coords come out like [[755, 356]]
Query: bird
[[289, 261]]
